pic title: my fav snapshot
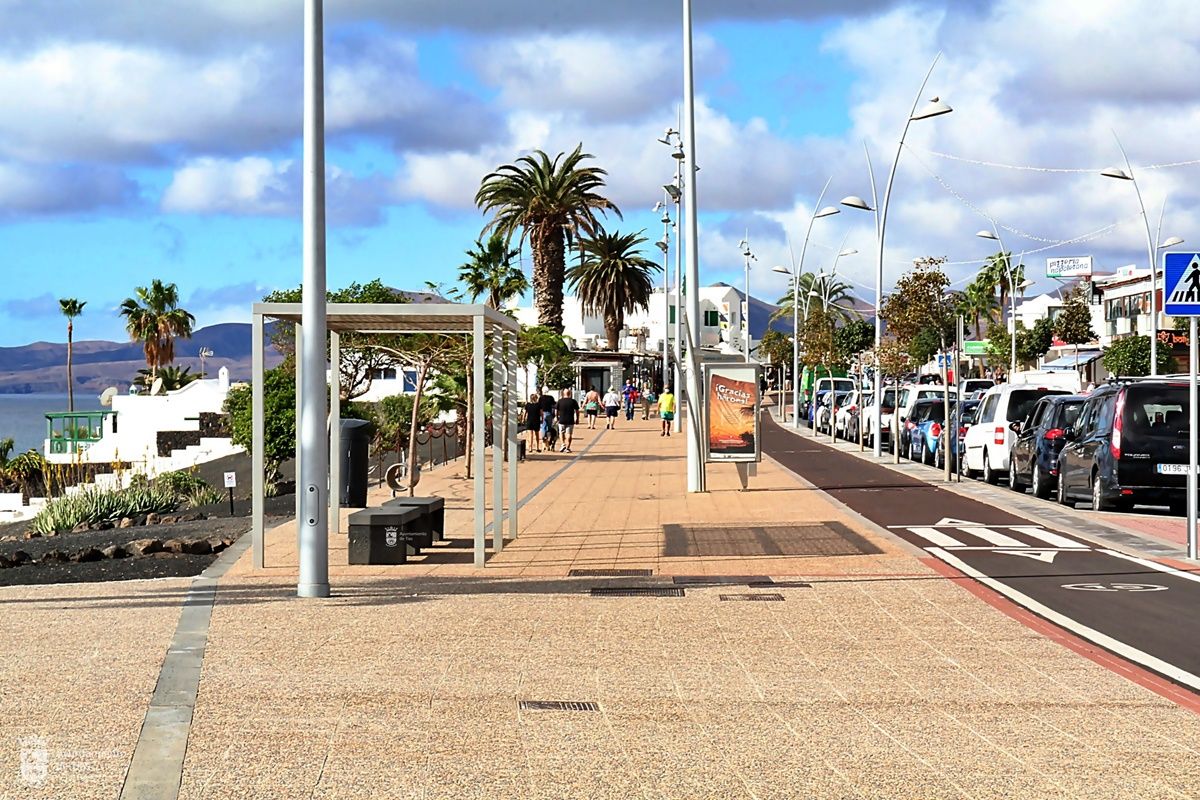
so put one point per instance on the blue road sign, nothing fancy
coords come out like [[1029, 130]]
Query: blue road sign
[[1181, 284]]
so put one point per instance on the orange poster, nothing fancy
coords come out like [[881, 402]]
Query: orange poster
[[732, 418]]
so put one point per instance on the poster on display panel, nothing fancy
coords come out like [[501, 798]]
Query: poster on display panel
[[732, 403]]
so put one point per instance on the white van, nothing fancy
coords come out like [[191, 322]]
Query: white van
[[989, 440]]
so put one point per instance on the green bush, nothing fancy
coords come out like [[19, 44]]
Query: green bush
[[100, 505], [179, 482], [203, 495]]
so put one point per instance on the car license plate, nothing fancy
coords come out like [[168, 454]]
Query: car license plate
[[1173, 469]]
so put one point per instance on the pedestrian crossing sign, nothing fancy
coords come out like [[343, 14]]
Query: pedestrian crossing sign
[[1181, 284]]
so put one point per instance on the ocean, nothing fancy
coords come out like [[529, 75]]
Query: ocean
[[23, 416]]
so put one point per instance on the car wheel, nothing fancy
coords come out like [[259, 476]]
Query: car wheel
[[964, 469], [1062, 491], [1014, 479], [989, 474], [1040, 488], [926, 457], [1098, 501]]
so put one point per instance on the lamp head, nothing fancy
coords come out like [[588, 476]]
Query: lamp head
[[781, 270], [934, 108], [849, 251], [1172, 242], [988, 235], [1116, 172], [666, 218], [827, 211], [677, 154], [672, 190], [854, 201]]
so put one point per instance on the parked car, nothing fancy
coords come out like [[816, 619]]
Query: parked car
[[906, 399], [972, 385], [926, 423], [828, 404], [964, 413], [824, 385], [1033, 460], [847, 410], [1129, 445], [867, 417], [990, 439]]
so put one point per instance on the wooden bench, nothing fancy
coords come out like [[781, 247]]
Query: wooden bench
[[386, 535]]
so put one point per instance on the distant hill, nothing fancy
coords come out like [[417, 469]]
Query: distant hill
[[41, 366]]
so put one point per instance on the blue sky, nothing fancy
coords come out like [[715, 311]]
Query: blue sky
[[133, 148]]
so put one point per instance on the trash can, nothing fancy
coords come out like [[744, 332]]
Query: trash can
[[384, 535], [355, 444]]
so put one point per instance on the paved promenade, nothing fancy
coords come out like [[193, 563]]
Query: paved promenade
[[879, 679]]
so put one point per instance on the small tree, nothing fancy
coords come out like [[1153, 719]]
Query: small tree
[[1131, 357], [776, 347], [920, 311], [279, 417], [1074, 323], [853, 338]]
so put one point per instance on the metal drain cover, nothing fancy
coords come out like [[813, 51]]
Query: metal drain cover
[[637, 591], [558, 705], [806, 539], [780, 585], [718, 580], [764, 596], [610, 573]]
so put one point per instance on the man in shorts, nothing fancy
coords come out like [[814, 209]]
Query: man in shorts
[[666, 410], [567, 411]]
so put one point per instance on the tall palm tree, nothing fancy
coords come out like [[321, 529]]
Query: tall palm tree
[[71, 308], [155, 319], [978, 303], [490, 272], [612, 279], [548, 201], [995, 274], [833, 289]]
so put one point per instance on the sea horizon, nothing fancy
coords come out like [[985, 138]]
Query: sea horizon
[[23, 416]]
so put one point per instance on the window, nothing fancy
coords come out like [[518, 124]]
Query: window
[[988, 411], [1088, 415], [712, 319], [671, 315], [1021, 402], [1039, 412]]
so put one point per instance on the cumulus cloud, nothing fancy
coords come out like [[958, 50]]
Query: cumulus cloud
[[42, 190], [32, 308]]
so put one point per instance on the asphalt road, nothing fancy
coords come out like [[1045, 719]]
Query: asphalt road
[[1137, 609]]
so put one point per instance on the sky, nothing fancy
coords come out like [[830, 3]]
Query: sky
[[142, 141]]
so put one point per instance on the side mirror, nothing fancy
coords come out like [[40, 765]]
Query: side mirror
[[1069, 433], [1015, 427]]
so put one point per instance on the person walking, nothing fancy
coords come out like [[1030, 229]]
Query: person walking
[[533, 422], [591, 405], [546, 404], [567, 410], [612, 404], [628, 397], [648, 397], [666, 410]]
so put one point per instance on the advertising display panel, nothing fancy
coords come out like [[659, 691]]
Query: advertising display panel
[[732, 403]]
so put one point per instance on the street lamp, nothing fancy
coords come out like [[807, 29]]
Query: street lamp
[[994, 235], [818, 212], [1151, 248], [664, 244], [695, 451], [934, 108], [674, 190], [745, 245]]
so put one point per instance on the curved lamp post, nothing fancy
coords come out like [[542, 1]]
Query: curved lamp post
[[934, 108], [749, 256], [818, 212]]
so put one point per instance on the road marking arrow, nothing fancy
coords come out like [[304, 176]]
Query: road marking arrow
[[1039, 555]]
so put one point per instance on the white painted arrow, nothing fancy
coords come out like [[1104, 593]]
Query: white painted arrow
[[1039, 555]]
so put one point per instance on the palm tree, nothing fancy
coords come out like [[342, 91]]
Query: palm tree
[[548, 201], [995, 275], [612, 279], [978, 303], [831, 288], [155, 319], [490, 272], [71, 308]]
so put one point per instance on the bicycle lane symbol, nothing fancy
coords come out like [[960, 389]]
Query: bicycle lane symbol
[[1115, 587]]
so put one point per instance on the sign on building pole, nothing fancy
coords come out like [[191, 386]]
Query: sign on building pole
[[1181, 295]]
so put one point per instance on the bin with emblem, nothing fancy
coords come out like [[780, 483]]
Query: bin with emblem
[[385, 535]]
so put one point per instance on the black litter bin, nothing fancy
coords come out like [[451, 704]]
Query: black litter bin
[[384, 535], [356, 442]]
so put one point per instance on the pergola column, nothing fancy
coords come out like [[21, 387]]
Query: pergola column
[[514, 402], [476, 411], [335, 432], [257, 457], [499, 381]]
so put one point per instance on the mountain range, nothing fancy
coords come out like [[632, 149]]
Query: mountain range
[[98, 364]]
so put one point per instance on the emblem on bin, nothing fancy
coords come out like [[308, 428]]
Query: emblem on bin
[[390, 535]]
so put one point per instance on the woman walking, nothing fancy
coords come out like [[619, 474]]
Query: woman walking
[[533, 422], [647, 397], [612, 405], [591, 404]]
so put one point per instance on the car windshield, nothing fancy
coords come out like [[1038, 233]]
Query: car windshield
[[1022, 401], [1159, 410], [1067, 414]]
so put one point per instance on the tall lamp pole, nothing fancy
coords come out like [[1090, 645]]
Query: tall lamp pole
[[745, 245], [1151, 247], [313, 533], [934, 108], [664, 244], [994, 235], [796, 272], [675, 191], [695, 452]]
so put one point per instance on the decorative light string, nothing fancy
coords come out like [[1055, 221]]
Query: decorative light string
[[1027, 168]]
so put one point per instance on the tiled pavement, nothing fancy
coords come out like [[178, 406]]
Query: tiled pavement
[[883, 679]]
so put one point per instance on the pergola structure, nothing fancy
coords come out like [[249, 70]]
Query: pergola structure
[[475, 321]]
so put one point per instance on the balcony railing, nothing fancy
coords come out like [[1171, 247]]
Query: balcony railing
[[75, 431]]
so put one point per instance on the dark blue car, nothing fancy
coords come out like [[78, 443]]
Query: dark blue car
[[926, 427], [1033, 460]]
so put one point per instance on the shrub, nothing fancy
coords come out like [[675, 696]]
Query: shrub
[[203, 495], [100, 505], [180, 483]]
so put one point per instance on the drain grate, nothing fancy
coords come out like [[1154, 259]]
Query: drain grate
[[718, 580], [637, 591], [558, 705], [765, 596], [780, 585], [610, 573], [806, 539]]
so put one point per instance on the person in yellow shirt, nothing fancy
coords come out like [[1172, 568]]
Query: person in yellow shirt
[[666, 410]]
